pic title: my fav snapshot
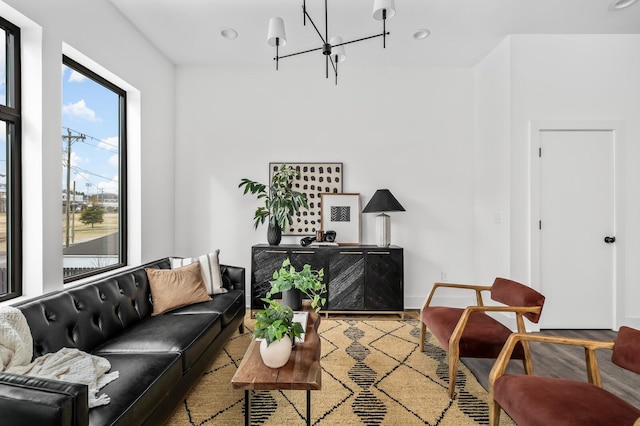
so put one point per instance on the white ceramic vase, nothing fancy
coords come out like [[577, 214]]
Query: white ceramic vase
[[277, 353]]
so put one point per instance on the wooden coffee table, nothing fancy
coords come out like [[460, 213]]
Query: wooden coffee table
[[301, 372]]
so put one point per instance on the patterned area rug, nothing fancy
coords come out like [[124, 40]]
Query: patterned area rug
[[373, 373]]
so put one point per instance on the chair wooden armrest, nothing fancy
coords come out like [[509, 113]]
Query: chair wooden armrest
[[454, 341], [589, 345], [477, 288], [518, 310]]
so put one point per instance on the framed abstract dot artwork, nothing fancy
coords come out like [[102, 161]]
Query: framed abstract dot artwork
[[314, 179]]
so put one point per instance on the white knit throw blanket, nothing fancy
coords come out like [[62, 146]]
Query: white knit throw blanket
[[68, 365]]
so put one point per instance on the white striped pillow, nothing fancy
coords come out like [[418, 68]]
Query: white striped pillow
[[210, 269]]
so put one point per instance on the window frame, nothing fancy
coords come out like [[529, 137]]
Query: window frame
[[122, 170], [11, 114]]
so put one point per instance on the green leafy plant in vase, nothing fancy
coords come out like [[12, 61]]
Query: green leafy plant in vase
[[275, 326], [306, 281], [281, 201]]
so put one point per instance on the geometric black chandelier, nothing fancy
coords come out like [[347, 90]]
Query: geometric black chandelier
[[332, 48]]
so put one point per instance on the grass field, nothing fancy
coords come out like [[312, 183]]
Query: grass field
[[81, 232]]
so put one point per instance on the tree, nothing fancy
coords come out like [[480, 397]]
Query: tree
[[92, 215]]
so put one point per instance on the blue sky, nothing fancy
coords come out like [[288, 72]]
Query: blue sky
[[91, 109]]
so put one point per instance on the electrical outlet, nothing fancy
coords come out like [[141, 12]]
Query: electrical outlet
[[443, 277], [497, 217]]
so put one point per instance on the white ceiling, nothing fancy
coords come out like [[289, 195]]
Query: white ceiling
[[462, 31]]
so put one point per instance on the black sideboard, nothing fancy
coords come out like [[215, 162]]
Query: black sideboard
[[358, 278]]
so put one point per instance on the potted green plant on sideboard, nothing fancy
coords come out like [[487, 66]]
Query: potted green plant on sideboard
[[275, 326], [281, 201], [292, 284]]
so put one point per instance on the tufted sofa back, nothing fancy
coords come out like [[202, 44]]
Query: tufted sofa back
[[85, 316]]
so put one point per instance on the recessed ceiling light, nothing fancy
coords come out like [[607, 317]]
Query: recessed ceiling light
[[229, 33], [621, 4], [422, 34]]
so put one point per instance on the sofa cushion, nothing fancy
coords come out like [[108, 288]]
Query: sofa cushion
[[210, 269], [560, 402], [483, 336], [188, 335], [227, 305], [145, 380], [178, 287]]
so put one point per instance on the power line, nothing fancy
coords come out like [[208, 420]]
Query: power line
[[91, 173], [82, 138], [95, 139]]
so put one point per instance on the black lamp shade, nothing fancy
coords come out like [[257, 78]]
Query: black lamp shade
[[383, 201]]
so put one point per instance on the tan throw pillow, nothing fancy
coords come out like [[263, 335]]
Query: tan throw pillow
[[173, 288]]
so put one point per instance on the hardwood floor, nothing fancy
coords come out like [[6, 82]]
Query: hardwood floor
[[568, 362]]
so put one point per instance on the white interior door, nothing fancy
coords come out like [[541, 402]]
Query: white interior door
[[577, 211]]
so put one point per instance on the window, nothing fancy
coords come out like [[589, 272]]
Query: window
[[10, 159], [93, 192]]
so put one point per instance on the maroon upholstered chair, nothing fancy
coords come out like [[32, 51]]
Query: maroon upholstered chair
[[470, 332], [534, 400]]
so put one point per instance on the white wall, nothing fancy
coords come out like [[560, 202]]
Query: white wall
[[553, 78], [98, 31], [408, 130], [491, 165]]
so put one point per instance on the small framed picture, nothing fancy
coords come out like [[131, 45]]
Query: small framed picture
[[341, 213]]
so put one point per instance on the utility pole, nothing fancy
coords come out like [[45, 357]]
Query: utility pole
[[70, 139], [73, 227]]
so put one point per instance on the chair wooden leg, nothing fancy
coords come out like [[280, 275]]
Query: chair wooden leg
[[453, 369], [423, 334], [494, 412], [528, 363]]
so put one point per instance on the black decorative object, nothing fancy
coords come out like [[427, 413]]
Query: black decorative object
[[292, 298], [274, 235], [383, 201], [306, 241], [332, 48], [330, 236]]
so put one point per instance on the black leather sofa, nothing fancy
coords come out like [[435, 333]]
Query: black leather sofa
[[159, 357]]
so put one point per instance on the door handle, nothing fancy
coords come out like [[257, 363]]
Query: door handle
[[609, 240]]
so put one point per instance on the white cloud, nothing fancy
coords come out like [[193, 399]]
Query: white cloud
[[80, 110], [110, 144], [109, 187], [76, 77], [75, 159], [114, 160]]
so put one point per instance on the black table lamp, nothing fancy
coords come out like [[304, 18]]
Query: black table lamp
[[383, 201]]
